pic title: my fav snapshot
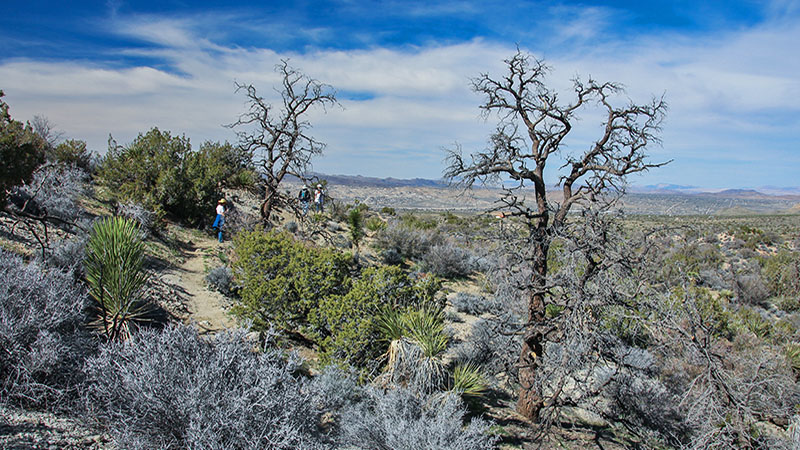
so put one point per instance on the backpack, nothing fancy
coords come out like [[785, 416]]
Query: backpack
[[305, 195]]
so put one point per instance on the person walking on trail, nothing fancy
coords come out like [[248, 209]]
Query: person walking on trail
[[319, 199], [220, 220], [305, 199]]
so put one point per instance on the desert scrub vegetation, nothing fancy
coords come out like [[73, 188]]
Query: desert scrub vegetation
[[320, 293], [172, 389], [22, 150], [42, 334], [422, 240], [346, 327], [221, 279], [282, 280], [163, 174], [404, 420]]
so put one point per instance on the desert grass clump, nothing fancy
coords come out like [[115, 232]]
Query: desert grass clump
[[375, 224], [114, 270], [43, 341], [173, 389]]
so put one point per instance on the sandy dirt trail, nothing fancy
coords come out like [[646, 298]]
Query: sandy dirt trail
[[205, 307]]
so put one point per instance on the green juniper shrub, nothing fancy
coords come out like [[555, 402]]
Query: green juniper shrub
[[388, 210], [148, 171], [282, 280], [213, 166], [161, 172], [346, 326], [21, 151], [71, 152]]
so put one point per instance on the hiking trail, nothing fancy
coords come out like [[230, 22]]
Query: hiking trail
[[205, 306]]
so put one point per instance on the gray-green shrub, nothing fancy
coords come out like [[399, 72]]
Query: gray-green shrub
[[42, 334], [448, 260], [409, 242], [173, 389], [401, 419], [221, 279], [473, 304]]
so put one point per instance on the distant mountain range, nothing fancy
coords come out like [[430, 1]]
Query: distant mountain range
[[358, 180], [663, 188]]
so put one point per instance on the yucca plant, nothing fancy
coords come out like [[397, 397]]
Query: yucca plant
[[416, 341], [114, 260], [391, 324], [426, 328], [468, 381]]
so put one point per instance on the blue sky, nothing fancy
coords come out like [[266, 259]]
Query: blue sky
[[402, 70]]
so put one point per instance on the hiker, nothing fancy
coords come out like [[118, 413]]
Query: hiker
[[305, 199], [319, 199], [220, 220]]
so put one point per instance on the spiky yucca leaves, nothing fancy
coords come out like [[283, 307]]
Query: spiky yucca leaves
[[114, 259], [416, 341], [391, 325], [468, 381], [426, 328]]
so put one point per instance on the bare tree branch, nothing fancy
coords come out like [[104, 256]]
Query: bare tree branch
[[532, 125], [279, 137]]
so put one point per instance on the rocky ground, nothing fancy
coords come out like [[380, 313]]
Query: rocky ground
[[22, 429]]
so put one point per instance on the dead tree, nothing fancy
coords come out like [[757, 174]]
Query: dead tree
[[532, 126], [278, 137]]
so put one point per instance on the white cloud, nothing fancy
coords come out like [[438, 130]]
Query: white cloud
[[725, 91]]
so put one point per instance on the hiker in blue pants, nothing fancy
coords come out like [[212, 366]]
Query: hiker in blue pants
[[220, 220]]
